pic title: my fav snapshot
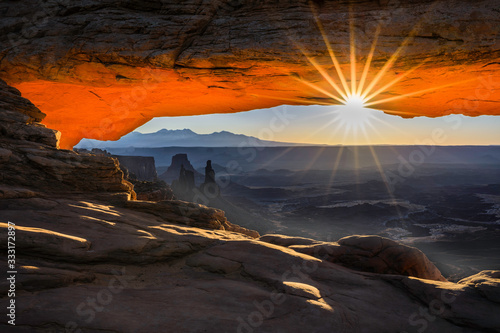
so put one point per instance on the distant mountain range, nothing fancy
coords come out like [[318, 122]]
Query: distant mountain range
[[183, 138]]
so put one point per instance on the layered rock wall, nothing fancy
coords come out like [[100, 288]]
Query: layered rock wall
[[142, 167], [32, 167], [30, 157]]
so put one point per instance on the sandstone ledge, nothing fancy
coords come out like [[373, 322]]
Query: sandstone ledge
[[150, 59], [365, 253], [147, 274]]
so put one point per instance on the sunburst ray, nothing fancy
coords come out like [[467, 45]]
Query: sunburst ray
[[326, 76], [369, 60], [352, 39], [385, 181], [423, 91], [402, 113], [336, 166], [296, 100], [321, 90], [330, 49], [393, 82], [386, 67]]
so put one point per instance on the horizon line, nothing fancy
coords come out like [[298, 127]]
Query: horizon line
[[310, 146]]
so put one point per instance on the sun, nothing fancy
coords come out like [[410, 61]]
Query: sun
[[357, 94], [350, 96], [353, 117], [355, 102]]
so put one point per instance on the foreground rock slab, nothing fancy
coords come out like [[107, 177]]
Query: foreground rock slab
[[97, 267], [366, 253]]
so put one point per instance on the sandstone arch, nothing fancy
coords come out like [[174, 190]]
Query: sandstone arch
[[99, 69]]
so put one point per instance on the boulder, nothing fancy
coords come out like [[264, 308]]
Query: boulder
[[365, 253]]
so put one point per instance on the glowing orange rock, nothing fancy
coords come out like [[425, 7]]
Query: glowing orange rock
[[103, 80]]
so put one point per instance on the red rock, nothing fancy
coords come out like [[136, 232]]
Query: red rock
[[188, 58]]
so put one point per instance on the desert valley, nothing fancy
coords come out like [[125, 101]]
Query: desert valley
[[106, 227]]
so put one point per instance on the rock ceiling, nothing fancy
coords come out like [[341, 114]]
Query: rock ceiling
[[100, 69]]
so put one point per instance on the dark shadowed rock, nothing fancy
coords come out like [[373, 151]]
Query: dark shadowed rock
[[142, 167], [185, 184], [210, 188], [190, 279], [31, 158], [487, 283], [178, 162], [191, 214], [31, 170], [152, 191]]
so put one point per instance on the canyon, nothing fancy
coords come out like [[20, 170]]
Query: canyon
[[90, 258]]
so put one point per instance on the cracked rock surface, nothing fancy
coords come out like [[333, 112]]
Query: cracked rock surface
[[104, 268], [365, 253]]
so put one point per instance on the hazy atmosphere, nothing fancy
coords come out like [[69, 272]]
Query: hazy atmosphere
[[250, 166], [318, 125]]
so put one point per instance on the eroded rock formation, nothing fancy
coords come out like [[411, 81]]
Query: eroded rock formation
[[209, 173], [191, 214], [210, 187], [141, 172], [34, 171], [87, 263], [141, 60], [152, 191], [179, 162], [365, 253], [31, 161], [146, 274], [140, 167]]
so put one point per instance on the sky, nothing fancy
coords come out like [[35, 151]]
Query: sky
[[335, 125]]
